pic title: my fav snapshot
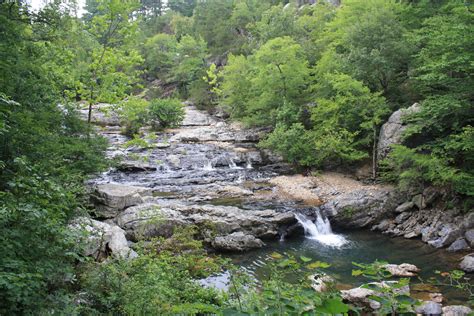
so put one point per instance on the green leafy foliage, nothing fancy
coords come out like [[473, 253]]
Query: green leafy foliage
[[166, 113], [390, 294], [134, 114], [160, 281], [277, 296]]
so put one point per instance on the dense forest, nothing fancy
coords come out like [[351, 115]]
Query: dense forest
[[319, 78]]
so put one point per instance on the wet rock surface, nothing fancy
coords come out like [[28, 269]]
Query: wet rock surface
[[175, 179]]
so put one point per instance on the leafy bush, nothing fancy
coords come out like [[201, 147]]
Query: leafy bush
[[133, 114], [166, 113], [160, 281], [38, 252]]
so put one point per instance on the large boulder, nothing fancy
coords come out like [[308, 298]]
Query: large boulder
[[101, 239], [236, 242], [362, 207], [392, 131], [159, 217], [469, 235], [447, 235], [459, 244], [110, 198]]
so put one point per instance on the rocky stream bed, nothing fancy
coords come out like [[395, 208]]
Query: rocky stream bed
[[210, 173]]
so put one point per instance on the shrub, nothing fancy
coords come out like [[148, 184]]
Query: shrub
[[133, 114], [166, 113]]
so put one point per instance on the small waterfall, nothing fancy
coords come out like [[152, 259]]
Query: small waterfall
[[320, 230], [208, 165], [232, 164], [249, 165]]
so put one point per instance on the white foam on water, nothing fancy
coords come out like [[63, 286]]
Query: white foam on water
[[320, 230]]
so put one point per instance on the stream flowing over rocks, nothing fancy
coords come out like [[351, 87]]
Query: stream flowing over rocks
[[211, 173]]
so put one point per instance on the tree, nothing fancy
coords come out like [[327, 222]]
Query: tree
[[112, 65], [276, 78], [185, 7], [160, 53], [348, 111], [366, 40]]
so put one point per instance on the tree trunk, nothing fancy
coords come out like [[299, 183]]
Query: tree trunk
[[374, 155]]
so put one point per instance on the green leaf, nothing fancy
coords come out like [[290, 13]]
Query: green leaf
[[333, 306], [305, 259]]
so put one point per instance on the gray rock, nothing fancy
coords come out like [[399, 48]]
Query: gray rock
[[402, 217], [321, 281], [359, 296], [402, 270], [361, 208], [194, 117], [430, 194], [135, 166], [456, 310], [407, 206], [236, 242], [162, 145], [159, 218], [469, 221], [469, 235], [102, 238], [459, 244], [174, 160], [429, 308], [467, 263], [391, 132], [110, 198], [418, 200], [448, 234], [102, 114]]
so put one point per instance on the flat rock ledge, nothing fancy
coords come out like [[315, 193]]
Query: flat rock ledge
[[110, 198], [234, 229]]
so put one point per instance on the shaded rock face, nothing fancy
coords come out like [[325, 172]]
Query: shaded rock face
[[102, 239], [360, 208], [392, 131]]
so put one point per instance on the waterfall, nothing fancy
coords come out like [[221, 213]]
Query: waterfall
[[232, 164], [249, 165], [320, 230], [208, 165]]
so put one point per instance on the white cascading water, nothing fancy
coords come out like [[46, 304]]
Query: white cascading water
[[320, 230], [249, 165], [232, 164], [208, 166]]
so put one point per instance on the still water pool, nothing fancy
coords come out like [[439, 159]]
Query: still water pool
[[362, 247]]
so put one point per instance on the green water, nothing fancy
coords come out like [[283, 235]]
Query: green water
[[362, 247]]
